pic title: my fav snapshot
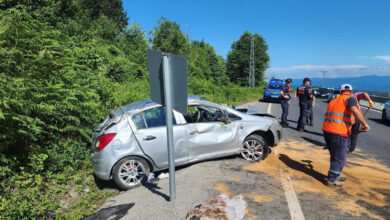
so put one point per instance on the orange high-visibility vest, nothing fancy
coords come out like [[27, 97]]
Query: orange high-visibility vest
[[338, 118]]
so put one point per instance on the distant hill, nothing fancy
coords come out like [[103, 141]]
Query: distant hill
[[363, 83]]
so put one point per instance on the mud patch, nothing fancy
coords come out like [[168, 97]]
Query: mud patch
[[237, 178], [222, 188], [261, 198], [308, 164]]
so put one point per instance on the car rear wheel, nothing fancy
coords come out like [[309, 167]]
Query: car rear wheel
[[254, 148], [384, 117], [131, 172]]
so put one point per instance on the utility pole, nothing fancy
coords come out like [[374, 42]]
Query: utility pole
[[323, 77], [252, 63]]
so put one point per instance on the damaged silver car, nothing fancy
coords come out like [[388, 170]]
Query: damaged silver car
[[131, 142]]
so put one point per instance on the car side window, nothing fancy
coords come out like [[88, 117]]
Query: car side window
[[155, 117], [203, 113], [233, 117], [138, 120]]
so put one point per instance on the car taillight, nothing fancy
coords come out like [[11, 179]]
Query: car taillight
[[104, 140]]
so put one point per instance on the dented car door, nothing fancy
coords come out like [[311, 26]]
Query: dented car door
[[209, 138]]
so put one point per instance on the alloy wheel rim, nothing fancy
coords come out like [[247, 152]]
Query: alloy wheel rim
[[252, 150], [132, 172]]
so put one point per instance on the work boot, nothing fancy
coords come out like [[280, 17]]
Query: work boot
[[335, 183], [341, 177]]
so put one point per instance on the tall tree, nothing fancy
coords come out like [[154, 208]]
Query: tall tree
[[204, 62], [168, 37], [112, 9], [238, 59]]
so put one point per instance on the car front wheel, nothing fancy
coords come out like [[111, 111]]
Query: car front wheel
[[131, 172], [254, 148], [384, 118]]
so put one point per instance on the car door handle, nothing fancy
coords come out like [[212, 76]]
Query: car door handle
[[149, 137], [193, 132]]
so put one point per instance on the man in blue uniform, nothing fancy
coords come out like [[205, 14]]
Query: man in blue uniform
[[285, 102], [310, 116], [306, 102]]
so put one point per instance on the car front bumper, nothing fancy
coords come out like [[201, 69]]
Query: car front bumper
[[277, 132]]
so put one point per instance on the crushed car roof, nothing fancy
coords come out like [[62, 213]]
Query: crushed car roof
[[149, 102]]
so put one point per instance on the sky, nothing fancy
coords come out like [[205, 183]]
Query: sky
[[343, 37]]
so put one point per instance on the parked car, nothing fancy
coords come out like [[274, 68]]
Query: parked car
[[131, 142], [316, 93], [333, 95], [386, 111], [272, 91], [324, 92]]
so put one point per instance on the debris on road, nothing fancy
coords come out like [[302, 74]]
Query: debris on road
[[220, 208], [86, 191], [151, 178], [163, 175], [109, 190]]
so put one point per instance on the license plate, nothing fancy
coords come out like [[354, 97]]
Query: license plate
[[275, 96]]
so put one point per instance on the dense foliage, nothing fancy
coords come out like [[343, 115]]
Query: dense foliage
[[239, 56], [63, 66]]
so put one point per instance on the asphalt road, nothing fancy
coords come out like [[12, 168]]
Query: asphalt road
[[376, 142], [298, 160]]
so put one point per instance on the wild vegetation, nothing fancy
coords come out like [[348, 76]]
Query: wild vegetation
[[63, 66]]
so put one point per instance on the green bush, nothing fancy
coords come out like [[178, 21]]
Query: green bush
[[64, 66]]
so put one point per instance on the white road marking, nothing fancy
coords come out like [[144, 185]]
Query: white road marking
[[269, 108], [292, 199]]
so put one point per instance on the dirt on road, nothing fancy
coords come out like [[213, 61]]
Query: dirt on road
[[365, 194]]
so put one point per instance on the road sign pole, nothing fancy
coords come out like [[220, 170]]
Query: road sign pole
[[169, 121]]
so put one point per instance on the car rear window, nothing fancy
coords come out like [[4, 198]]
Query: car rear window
[[138, 121], [155, 117]]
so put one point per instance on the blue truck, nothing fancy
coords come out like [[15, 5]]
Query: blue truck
[[272, 91]]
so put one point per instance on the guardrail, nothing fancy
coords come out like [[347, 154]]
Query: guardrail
[[377, 105], [379, 99]]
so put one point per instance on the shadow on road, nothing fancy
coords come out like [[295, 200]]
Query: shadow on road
[[101, 184], [152, 187], [305, 167], [315, 142], [380, 121], [314, 133], [292, 121], [114, 212]]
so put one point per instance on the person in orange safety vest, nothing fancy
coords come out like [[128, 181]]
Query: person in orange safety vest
[[339, 118]]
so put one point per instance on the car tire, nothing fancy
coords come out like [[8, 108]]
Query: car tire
[[130, 172], [384, 117], [254, 148]]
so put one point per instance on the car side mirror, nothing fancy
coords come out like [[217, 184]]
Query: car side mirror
[[224, 119]]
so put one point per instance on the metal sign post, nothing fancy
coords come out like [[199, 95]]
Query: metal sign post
[[169, 120], [168, 87]]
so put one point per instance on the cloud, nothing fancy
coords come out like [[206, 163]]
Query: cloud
[[384, 58], [333, 71]]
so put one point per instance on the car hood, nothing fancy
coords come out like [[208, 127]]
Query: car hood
[[255, 112]]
